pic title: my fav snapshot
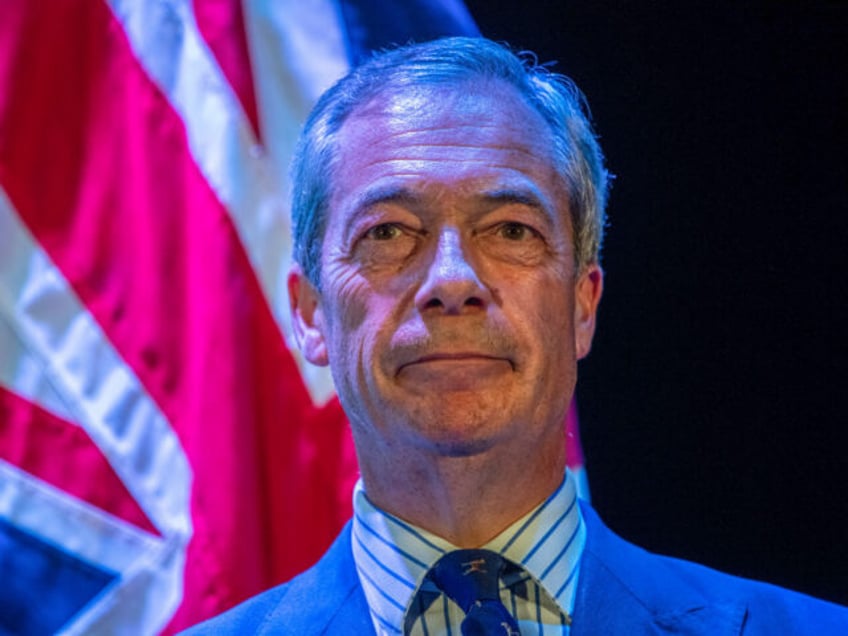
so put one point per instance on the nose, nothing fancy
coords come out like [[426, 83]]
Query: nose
[[452, 285]]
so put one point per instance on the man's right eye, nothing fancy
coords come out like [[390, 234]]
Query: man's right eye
[[384, 232], [386, 244]]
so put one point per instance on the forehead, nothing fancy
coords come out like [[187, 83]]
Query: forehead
[[453, 138]]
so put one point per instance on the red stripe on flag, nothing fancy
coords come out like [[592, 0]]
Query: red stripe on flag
[[97, 163], [63, 455], [221, 23]]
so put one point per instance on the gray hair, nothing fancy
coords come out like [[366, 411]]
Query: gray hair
[[577, 155]]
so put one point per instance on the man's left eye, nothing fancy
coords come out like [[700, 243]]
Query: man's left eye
[[516, 231]]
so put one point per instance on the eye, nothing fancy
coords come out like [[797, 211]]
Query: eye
[[388, 243], [515, 242], [516, 231], [384, 232]]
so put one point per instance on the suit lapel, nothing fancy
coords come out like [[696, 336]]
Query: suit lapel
[[353, 615], [625, 590]]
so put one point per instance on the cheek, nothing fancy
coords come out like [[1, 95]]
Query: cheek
[[549, 319], [360, 319], [350, 294]]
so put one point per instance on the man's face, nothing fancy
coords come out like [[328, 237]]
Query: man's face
[[450, 312]]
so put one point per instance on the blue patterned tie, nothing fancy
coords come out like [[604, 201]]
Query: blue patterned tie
[[471, 579]]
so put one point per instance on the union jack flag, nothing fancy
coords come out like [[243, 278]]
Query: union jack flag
[[163, 452]]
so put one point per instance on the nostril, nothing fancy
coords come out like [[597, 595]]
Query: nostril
[[473, 301], [433, 302]]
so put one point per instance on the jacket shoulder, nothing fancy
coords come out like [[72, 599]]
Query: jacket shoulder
[[676, 596], [248, 617], [326, 599]]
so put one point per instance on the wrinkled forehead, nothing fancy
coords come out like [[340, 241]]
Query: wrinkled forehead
[[469, 101], [448, 119]]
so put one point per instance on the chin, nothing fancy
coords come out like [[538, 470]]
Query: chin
[[463, 448], [459, 438]]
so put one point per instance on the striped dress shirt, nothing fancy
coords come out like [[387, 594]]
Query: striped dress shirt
[[392, 558]]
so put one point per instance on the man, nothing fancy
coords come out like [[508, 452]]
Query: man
[[448, 212]]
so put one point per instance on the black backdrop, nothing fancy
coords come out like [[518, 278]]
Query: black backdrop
[[713, 406]]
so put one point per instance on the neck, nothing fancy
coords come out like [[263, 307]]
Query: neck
[[467, 500]]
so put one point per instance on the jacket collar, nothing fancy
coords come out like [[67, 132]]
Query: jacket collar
[[622, 589]]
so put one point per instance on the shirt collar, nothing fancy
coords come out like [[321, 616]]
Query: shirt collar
[[392, 556]]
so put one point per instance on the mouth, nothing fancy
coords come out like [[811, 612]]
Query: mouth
[[456, 360]]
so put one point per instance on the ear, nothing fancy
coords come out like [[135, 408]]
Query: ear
[[307, 317], [587, 296]]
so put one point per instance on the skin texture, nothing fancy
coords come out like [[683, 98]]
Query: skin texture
[[451, 312]]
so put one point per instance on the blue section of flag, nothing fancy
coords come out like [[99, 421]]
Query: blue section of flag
[[41, 586], [376, 24]]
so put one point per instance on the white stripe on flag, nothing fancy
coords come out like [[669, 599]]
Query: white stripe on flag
[[77, 527], [297, 50], [84, 378], [149, 567]]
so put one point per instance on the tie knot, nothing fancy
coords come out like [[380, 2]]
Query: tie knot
[[471, 579], [469, 576]]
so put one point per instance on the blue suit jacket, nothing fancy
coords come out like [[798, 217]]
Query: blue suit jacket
[[622, 590]]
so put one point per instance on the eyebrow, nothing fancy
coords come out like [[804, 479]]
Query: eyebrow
[[523, 196], [372, 197], [388, 194]]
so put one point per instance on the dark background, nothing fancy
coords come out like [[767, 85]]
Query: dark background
[[713, 406]]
